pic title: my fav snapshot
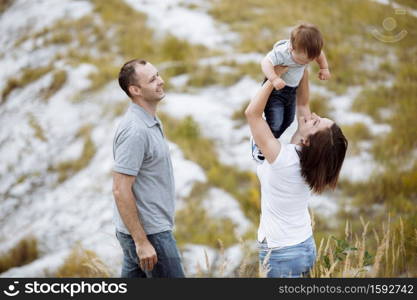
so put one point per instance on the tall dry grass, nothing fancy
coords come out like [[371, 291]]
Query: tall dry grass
[[23, 253], [371, 252], [356, 255], [82, 263], [353, 257]]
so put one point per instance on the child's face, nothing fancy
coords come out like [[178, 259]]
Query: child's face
[[300, 57]]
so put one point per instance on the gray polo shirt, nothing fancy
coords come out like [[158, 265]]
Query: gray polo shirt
[[140, 149], [281, 55]]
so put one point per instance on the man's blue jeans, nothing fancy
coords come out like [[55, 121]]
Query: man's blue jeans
[[169, 261], [289, 261]]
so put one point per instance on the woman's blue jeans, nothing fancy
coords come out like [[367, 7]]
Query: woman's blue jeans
[[289, 261]]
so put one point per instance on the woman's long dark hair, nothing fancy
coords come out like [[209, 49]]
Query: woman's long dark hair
[[322, 159]]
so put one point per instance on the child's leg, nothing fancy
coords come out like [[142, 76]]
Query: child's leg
[[289, 112], [274, 112], [274, 115]]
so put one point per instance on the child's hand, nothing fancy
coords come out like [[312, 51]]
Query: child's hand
[[278, 83], [324, 74]]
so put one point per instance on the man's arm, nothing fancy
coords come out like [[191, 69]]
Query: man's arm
[[126, 204], [303, 96]]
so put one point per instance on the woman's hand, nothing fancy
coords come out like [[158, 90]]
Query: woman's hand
[[261, 132]]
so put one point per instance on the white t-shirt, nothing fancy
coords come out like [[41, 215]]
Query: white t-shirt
[[285, 220]]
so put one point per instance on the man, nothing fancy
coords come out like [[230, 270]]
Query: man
[[143, 182]]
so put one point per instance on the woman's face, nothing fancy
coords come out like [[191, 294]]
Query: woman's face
[[310, 126]]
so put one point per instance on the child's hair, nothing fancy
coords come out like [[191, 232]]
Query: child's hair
[[307, 38]]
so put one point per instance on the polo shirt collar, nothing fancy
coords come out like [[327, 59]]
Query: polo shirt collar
[[144, 115]]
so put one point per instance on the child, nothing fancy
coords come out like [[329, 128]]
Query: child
[[304, 46]]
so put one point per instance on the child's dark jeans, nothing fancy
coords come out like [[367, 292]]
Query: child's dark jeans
[[280, 109]]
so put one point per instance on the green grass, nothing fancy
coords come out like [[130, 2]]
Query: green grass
[[393, 188], [242, 185], [38, 130], [394, 191], [176, 56], [82, 263], [23, 253], [194, 220], [319, 104], [371, 101], [208, 75], [58, 81], [116, 109], [239, 115], [343, 24], [250, 69], [398, 144], [386, 188], [66, 169], [28, 76], [119, 33], [382, 243], [407, 3], [127, 24], [355, 133]]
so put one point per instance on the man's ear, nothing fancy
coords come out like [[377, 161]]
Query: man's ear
[[135, 90]]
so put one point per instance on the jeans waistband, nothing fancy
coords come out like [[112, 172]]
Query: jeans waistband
[[285, 88], [289, 88], [264, 244]]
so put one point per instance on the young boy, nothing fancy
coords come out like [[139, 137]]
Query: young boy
[[304, 46]]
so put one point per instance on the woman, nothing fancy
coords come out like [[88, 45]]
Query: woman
[[311, 162]]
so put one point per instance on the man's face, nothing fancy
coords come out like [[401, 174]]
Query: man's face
[[151, 84]]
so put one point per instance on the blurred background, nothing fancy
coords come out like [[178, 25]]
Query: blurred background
[[60, 104]]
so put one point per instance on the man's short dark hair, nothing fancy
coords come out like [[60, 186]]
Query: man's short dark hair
[[127, 74]]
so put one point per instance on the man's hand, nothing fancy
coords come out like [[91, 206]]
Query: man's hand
[[324, 74], [147, 255], [278, 83]]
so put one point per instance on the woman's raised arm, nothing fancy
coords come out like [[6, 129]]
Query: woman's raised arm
[[261, 132]]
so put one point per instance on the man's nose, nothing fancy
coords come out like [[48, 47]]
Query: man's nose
[[161, 81]]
